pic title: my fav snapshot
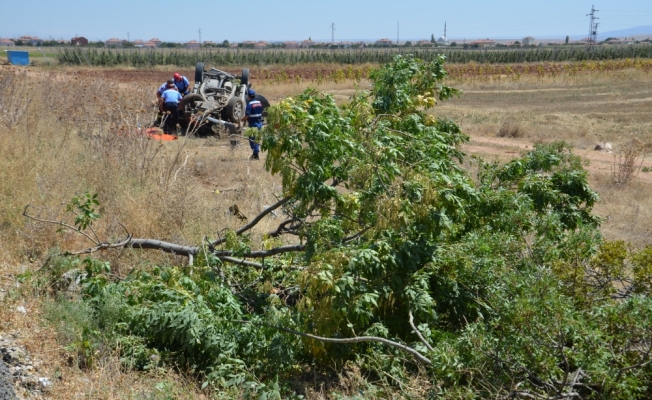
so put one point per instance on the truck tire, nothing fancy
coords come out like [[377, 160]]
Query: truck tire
[[199, 72], [191, 98], [244, 78], [234, 110], [264, 103]]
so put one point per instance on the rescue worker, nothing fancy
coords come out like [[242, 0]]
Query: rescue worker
[[164, 87], [170, 99], [182, 83], [160, 91], [254, 116]]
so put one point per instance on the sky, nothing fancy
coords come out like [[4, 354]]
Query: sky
[[180, 21]]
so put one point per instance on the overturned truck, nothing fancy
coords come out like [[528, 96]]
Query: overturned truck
[[218, 100]]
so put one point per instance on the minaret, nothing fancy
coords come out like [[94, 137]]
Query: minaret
[[445, 38]]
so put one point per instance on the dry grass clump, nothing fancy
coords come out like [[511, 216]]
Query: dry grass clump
[[510, 129], [625, 210], [627, 164]]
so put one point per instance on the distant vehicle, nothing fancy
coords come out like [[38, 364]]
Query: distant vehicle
[[218, 100]]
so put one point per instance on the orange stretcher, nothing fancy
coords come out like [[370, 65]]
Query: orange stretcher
[[157, 134]]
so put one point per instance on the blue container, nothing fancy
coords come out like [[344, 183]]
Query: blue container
[[18, 57]]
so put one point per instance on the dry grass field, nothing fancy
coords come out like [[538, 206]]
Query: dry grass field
[[63, 133], [504, 118]]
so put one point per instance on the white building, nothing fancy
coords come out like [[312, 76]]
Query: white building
[[443, 41], [527, 41]]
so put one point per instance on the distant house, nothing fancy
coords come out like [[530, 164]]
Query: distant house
[[193, 44], [424, 43], [346, 45], [33, 40], [113, 42], [528, 41], [208, 43], [621, 41], [79, 41], [149, 45], [156, 42], [292, 45], [260, 45], [234, 45], [308, 43], [7, 43], [139, 43], [483, 43], [383, 42]]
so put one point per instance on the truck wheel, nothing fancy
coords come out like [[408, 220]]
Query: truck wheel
[[234, 110], [264, 103], [244, 78], [199, 72], [191, 98]]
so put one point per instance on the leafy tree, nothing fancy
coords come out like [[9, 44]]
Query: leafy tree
[[390, 255]]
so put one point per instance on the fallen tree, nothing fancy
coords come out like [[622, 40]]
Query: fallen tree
[[506, 286]]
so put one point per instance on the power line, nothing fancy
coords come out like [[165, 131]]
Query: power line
[[593, 27]]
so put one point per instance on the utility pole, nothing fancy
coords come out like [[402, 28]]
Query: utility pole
[[333, 33], [593, 27], [200, 37], [398, 43]]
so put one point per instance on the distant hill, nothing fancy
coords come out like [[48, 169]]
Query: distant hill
[[635, 31], [641, 32]]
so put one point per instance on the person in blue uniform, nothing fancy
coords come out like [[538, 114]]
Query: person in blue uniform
[[182, 83], [171, 98], [160, 91], [254, 117]]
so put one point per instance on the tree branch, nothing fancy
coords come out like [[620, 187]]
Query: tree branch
[[419, 333], [263, 253], [282, 227], [241, 262], [255, 221], [60, 223], [359, 339], [163, 246]]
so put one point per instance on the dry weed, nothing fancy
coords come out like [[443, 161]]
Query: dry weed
[[627, 165], [510, 129]]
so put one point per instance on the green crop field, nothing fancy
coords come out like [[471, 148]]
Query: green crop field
[[236, 57]]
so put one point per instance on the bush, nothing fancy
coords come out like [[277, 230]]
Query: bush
[[510, 129]]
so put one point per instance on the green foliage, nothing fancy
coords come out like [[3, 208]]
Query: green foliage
[[84, 209], [172, 54]]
